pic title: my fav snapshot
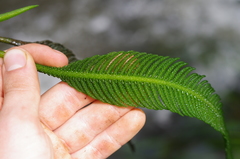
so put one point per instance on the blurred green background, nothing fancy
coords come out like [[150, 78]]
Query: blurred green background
[[206, 34]]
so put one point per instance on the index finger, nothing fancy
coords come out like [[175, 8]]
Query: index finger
[[45, 55]]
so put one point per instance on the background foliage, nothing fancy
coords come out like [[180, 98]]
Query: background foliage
[[203, 33]]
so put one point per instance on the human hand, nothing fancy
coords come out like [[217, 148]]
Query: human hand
[[54, 125]]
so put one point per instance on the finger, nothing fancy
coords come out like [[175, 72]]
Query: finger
[[59, 103], [20, 82], [19, 113], [1, 89], [45, 55], [113, 137], [89, 122]]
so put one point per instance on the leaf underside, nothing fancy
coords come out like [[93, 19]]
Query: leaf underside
[[145, 80], [140, 80]]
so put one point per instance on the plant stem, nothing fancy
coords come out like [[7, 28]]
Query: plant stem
[[12, 41]]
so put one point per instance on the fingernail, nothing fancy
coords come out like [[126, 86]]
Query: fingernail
[[14, 59]]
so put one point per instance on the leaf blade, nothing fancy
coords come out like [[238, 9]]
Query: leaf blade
[[123, 79], [8, 15]]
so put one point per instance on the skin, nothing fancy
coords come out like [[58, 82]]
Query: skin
[[53, 125]]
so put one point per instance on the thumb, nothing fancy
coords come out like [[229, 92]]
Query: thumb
[[20, 84], [21, 134]]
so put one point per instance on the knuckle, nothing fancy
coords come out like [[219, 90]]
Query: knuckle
[[19, 85]]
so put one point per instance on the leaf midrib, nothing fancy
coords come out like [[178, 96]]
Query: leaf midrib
[[131, 78], [65, 74]]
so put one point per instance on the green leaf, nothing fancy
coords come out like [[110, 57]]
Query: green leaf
[[140, 80], [145, 80], [8, 15]]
